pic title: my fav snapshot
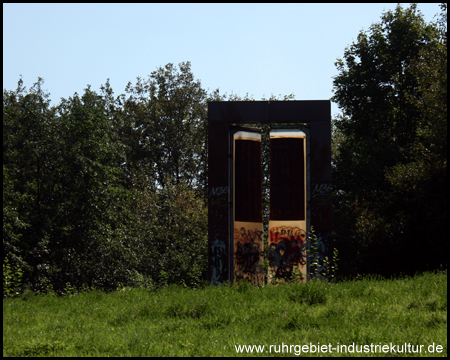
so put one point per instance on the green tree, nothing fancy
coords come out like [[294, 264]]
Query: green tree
[[12, 222], [421, 180], [93, 211], [171, 228], [102, 190], [30, 146], [166, 126], [65, 207], [388, 97]]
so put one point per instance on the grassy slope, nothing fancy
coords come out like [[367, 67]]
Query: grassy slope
[[211, 321]]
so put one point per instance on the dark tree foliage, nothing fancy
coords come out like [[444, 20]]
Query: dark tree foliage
[[28, 154], [101, 190], [390, 164], [164, 126], [63, 172]]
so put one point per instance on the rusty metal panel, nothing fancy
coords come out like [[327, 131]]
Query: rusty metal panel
[[248, 176], [287, 175], [298, 111], [261, 112], [321, 183], [218, 184], [247, 210], [287, 218], [321, 151]]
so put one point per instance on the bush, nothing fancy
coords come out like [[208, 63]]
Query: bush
[[12, 279]]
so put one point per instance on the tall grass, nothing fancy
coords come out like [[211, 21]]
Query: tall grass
[[178, 321]]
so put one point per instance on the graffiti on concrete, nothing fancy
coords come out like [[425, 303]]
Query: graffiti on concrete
[[217, 191], [217, 196], [287, 250], [248, 254], [218, 257], [322, 189]]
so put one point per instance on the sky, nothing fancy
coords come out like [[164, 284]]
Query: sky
[[259, 49]]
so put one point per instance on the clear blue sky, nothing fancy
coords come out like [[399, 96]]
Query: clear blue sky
[[260, 49]]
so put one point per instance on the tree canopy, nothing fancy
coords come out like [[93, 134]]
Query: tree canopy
[[390, 168], [100, 190]]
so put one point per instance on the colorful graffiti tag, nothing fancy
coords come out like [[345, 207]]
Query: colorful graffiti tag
[[287, 250], [287, 218]]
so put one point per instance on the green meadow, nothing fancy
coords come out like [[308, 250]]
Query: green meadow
[[218, 321]]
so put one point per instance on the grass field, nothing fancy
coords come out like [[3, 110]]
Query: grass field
[[176, 321]]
